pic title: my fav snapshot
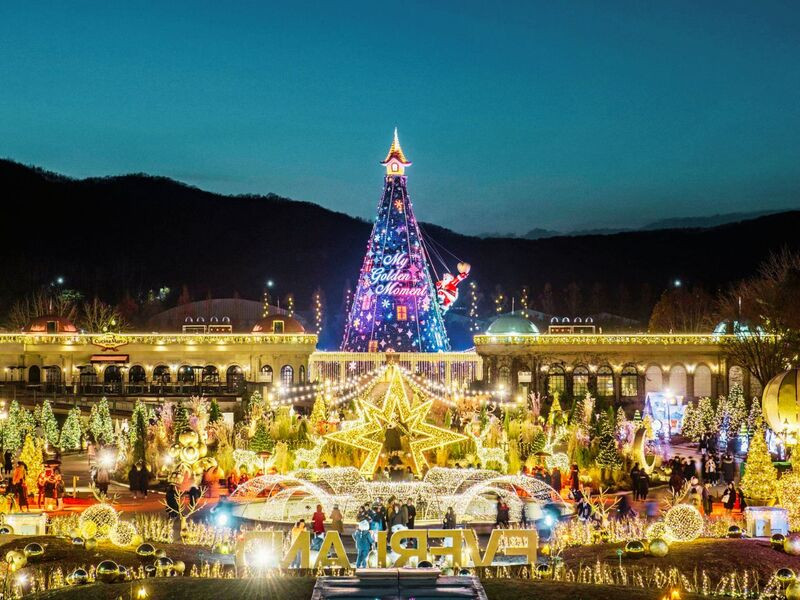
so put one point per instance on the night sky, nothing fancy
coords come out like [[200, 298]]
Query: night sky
[[558, 115]]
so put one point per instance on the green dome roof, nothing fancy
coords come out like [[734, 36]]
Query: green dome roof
[[512, 324]]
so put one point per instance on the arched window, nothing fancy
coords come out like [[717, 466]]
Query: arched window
[[287, 375], [605, 381], [302, 374], [210, 374], [234, 377], [137, 374], [629, 382], [677, 380], [185, 374], [702, 381], [735, 377], [556, 380], [87, 376], [52, 374], [265, 375], [504, 376], [34, 375], [580, 381], [162, 374], [653, 380], [112, 374]]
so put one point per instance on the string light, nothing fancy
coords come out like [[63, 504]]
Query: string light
[[317, 302], [474, 325], [396, 412], [684, 523]]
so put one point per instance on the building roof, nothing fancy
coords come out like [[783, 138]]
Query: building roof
[[241, 314], [271, 324], [512, 324], [396, 152], [50, 324]]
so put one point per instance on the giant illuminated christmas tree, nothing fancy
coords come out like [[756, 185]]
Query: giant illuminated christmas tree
[[395, 306]]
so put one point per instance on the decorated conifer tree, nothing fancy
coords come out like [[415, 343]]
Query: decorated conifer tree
[[100, 424], [319, 413], [180, 419], [261, 442], [138, 408], [755, 417], [760, 477], [608, 456], [70, 438], [214, 413], [48, 423], [12, 428], [395, 306], [31, 455], [139, 444]]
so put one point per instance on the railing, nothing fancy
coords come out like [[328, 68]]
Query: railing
[[441, 367], [588, 339], [14, 389], [116, 340]]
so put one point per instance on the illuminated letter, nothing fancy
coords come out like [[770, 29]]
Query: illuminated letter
[[454, 550], [332, 540], [301, 544], [421, 550]]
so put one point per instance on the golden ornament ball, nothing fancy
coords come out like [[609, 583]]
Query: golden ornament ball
[[777, 540], [784, 575], [791, 545], [145, 549], [659, 548], [90, 544], [78, 577], [188, 438], [634, 549], [33, 550], [122, 573], [78, 541], [202, 449], [6, 530], [160, 553], [179, 567], [107, 571], [75, 532], [190, 454], [792, 591]]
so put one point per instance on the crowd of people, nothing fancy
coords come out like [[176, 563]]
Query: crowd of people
[[49, 483]]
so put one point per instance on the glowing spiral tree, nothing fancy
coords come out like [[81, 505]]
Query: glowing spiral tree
[[395, 306]]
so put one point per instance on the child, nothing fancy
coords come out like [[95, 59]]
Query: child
[[363, 540]]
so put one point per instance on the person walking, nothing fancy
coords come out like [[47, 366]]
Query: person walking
[[363, 541], [298, 528], [144, 479], [133, 479], [709, 470], [449, 521], [644, 485], [412, 512], [556, 479], [574, 479], [337, 521], [708, 504], [635, 480], [728, 468], [103, 480], [19, 485], [729, 498], [318, 521], [8, 463]]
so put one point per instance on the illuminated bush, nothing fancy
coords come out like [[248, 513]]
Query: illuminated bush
[[684, 523], [98, 520]]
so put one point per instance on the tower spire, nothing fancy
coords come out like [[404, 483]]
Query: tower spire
[[395, 161]]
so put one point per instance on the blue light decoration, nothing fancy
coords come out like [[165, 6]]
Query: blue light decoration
[[395, 306]]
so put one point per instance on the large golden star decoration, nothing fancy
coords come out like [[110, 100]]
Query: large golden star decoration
[[396, 412]]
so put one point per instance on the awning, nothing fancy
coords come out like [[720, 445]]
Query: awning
[[109, 358]]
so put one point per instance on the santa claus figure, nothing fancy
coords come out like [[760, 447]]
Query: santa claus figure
[[447, 288]]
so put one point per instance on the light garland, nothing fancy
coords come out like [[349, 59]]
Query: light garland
[[487, 455], [309, 457], [396, 411], [684, 523], [123, 534], [98, 520], [318, 314]]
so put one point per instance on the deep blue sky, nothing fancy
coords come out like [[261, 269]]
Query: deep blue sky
[[516, 114]]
